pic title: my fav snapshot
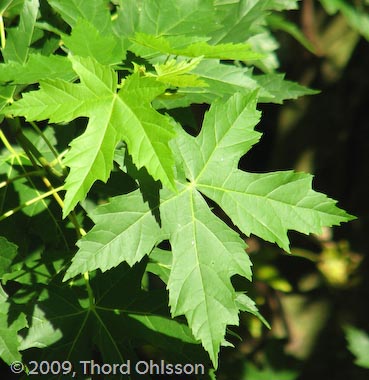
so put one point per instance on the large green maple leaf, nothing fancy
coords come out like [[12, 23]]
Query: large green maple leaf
[[206, 251], [114, 115]]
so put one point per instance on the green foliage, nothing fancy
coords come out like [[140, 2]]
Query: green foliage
[[358, 344], [9, 342], [86, 122], [254, 373], [356, 16], [112, 116]]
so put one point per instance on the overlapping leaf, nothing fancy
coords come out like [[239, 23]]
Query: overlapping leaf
[[68, 326], [163, 17], [224, 80], [112, 116], [9, 340], [96, 12], [267, 205], [8, 252], [86, 41], [9, 327], [38, 67], [246, 21], [206, 252], [245, 18], [177, 73], [132, 234], [11, 6], [358, 344], [191, 47], [18, 41], [355, 16]]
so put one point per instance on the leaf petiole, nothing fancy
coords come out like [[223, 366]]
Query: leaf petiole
[[50, 146], [91, 298], [25, 175], [30, 202], [32, 151], [2, 32]]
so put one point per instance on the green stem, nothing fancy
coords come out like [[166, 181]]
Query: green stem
[[62, 154], [72, 217], [20, 176], [30, 202], [52, 149], [49, 28], [90, 293], [56, 195], [2, 32], [31, 150], [6, 143], [305, 254]]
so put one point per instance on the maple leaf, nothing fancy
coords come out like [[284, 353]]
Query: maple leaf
[[207, 252], [103, 248], [126, 114], [9, 341], [191, 47], [72, 11], [176, 73], [245, 17], [224, 80], [163, 17], [86, 41], [18, 42], [170, 43], [63, 324]]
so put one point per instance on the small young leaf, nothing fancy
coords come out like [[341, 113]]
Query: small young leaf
[[176, 73]]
